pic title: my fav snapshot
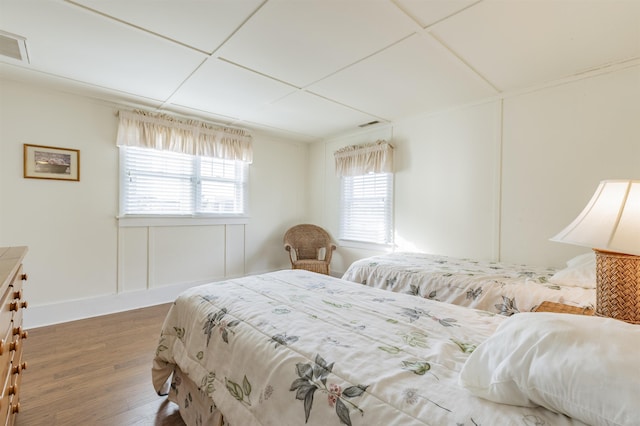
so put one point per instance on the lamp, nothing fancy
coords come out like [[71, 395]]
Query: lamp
[[610, 224]]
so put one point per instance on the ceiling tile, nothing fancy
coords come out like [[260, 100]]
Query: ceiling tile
[[415, 75], [310, 115], [303, 41], [203, 25], [188, 111], [65, 40], [44, 80], [429, 12], [223, 88], [521, 43]]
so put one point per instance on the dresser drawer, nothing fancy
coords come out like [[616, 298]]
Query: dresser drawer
[[15, 291], [6, 333], [14, 393], [12, 303], [5, 401], [6, 313], [18, 277], [17, 302]]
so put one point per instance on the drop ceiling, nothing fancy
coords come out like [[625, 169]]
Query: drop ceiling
[[312, 69]]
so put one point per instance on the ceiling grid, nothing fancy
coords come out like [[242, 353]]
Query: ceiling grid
[[312, 69]]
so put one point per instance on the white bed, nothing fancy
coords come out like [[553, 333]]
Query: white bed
[[294, 348], [496, 287]]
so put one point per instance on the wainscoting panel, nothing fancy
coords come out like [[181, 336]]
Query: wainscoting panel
[[158, 256], [132, 259], [180, 254], [235, 264]]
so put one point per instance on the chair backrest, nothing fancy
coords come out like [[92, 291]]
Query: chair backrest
[[307, 240]]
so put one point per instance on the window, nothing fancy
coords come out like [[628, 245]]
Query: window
[[154, 182], [367, 208]]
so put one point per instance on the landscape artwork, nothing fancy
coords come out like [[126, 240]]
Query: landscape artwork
[[47, 162]]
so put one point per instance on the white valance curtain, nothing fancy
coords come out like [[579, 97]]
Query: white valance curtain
[[357, 160], [163, 132]]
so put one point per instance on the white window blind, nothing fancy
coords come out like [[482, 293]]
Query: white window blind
[[367, 208], [157, 182]]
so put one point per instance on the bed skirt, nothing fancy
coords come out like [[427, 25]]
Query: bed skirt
[[196, 408]]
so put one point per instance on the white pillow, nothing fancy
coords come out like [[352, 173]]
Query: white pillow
[[321, 253], [583, 260], [294, 254], [580, 272], [584, 367]]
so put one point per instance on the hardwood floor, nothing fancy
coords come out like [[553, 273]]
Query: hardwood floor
[[95, 372]]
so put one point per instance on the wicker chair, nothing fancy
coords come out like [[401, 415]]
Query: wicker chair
[[310, 247]]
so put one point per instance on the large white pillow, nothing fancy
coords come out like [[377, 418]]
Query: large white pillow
[[585, 367], [580, 272]]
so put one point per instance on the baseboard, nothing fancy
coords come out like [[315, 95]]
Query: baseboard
[[40, 316]]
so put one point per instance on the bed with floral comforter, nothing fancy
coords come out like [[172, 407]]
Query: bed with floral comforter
[[293, 348], [496, 287]]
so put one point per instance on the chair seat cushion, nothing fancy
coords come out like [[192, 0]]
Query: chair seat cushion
[[312, 265]]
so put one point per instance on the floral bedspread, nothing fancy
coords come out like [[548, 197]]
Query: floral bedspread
[[496, 287], [293, 348]]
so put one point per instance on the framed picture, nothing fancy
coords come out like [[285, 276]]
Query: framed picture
[[49, 162]]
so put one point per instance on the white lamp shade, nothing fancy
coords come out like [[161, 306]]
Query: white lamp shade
[[610, 221]]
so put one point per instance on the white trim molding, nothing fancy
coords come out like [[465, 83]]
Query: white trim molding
[[40, 316]]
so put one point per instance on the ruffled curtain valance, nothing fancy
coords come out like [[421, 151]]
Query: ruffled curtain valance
[[357, 160], [164, 132]]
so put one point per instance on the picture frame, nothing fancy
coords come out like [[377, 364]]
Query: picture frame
[[50, 162]]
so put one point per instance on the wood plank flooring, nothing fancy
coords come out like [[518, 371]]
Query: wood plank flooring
[[95, 372]]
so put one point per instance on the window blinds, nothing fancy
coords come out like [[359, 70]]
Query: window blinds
[[165, 182], [367, 208], [366, 213]]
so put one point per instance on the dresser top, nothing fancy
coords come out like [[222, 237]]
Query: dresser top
[[10, 260]]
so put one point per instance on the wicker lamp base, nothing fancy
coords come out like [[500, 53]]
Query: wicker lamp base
[[618, 286]]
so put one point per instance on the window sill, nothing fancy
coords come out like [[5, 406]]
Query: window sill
[[142, 221], [366, 245]]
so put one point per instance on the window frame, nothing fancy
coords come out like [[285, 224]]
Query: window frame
[[388, 208], [193, 217]]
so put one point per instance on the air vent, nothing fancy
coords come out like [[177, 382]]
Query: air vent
[[13, 46], [371, 123]]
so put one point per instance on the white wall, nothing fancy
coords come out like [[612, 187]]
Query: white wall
[[70, 227], [80, 263], [498, 179], [279, 200], [447, 184], [558, 144]]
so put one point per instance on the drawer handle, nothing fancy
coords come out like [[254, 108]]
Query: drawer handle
[[1, 346], [17, 294], [18, 368], [13, 390], [15, 408], [14, 306], [14, 346], [24, 277], [18, 331]]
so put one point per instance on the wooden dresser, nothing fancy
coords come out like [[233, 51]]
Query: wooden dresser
[[12, 335]]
